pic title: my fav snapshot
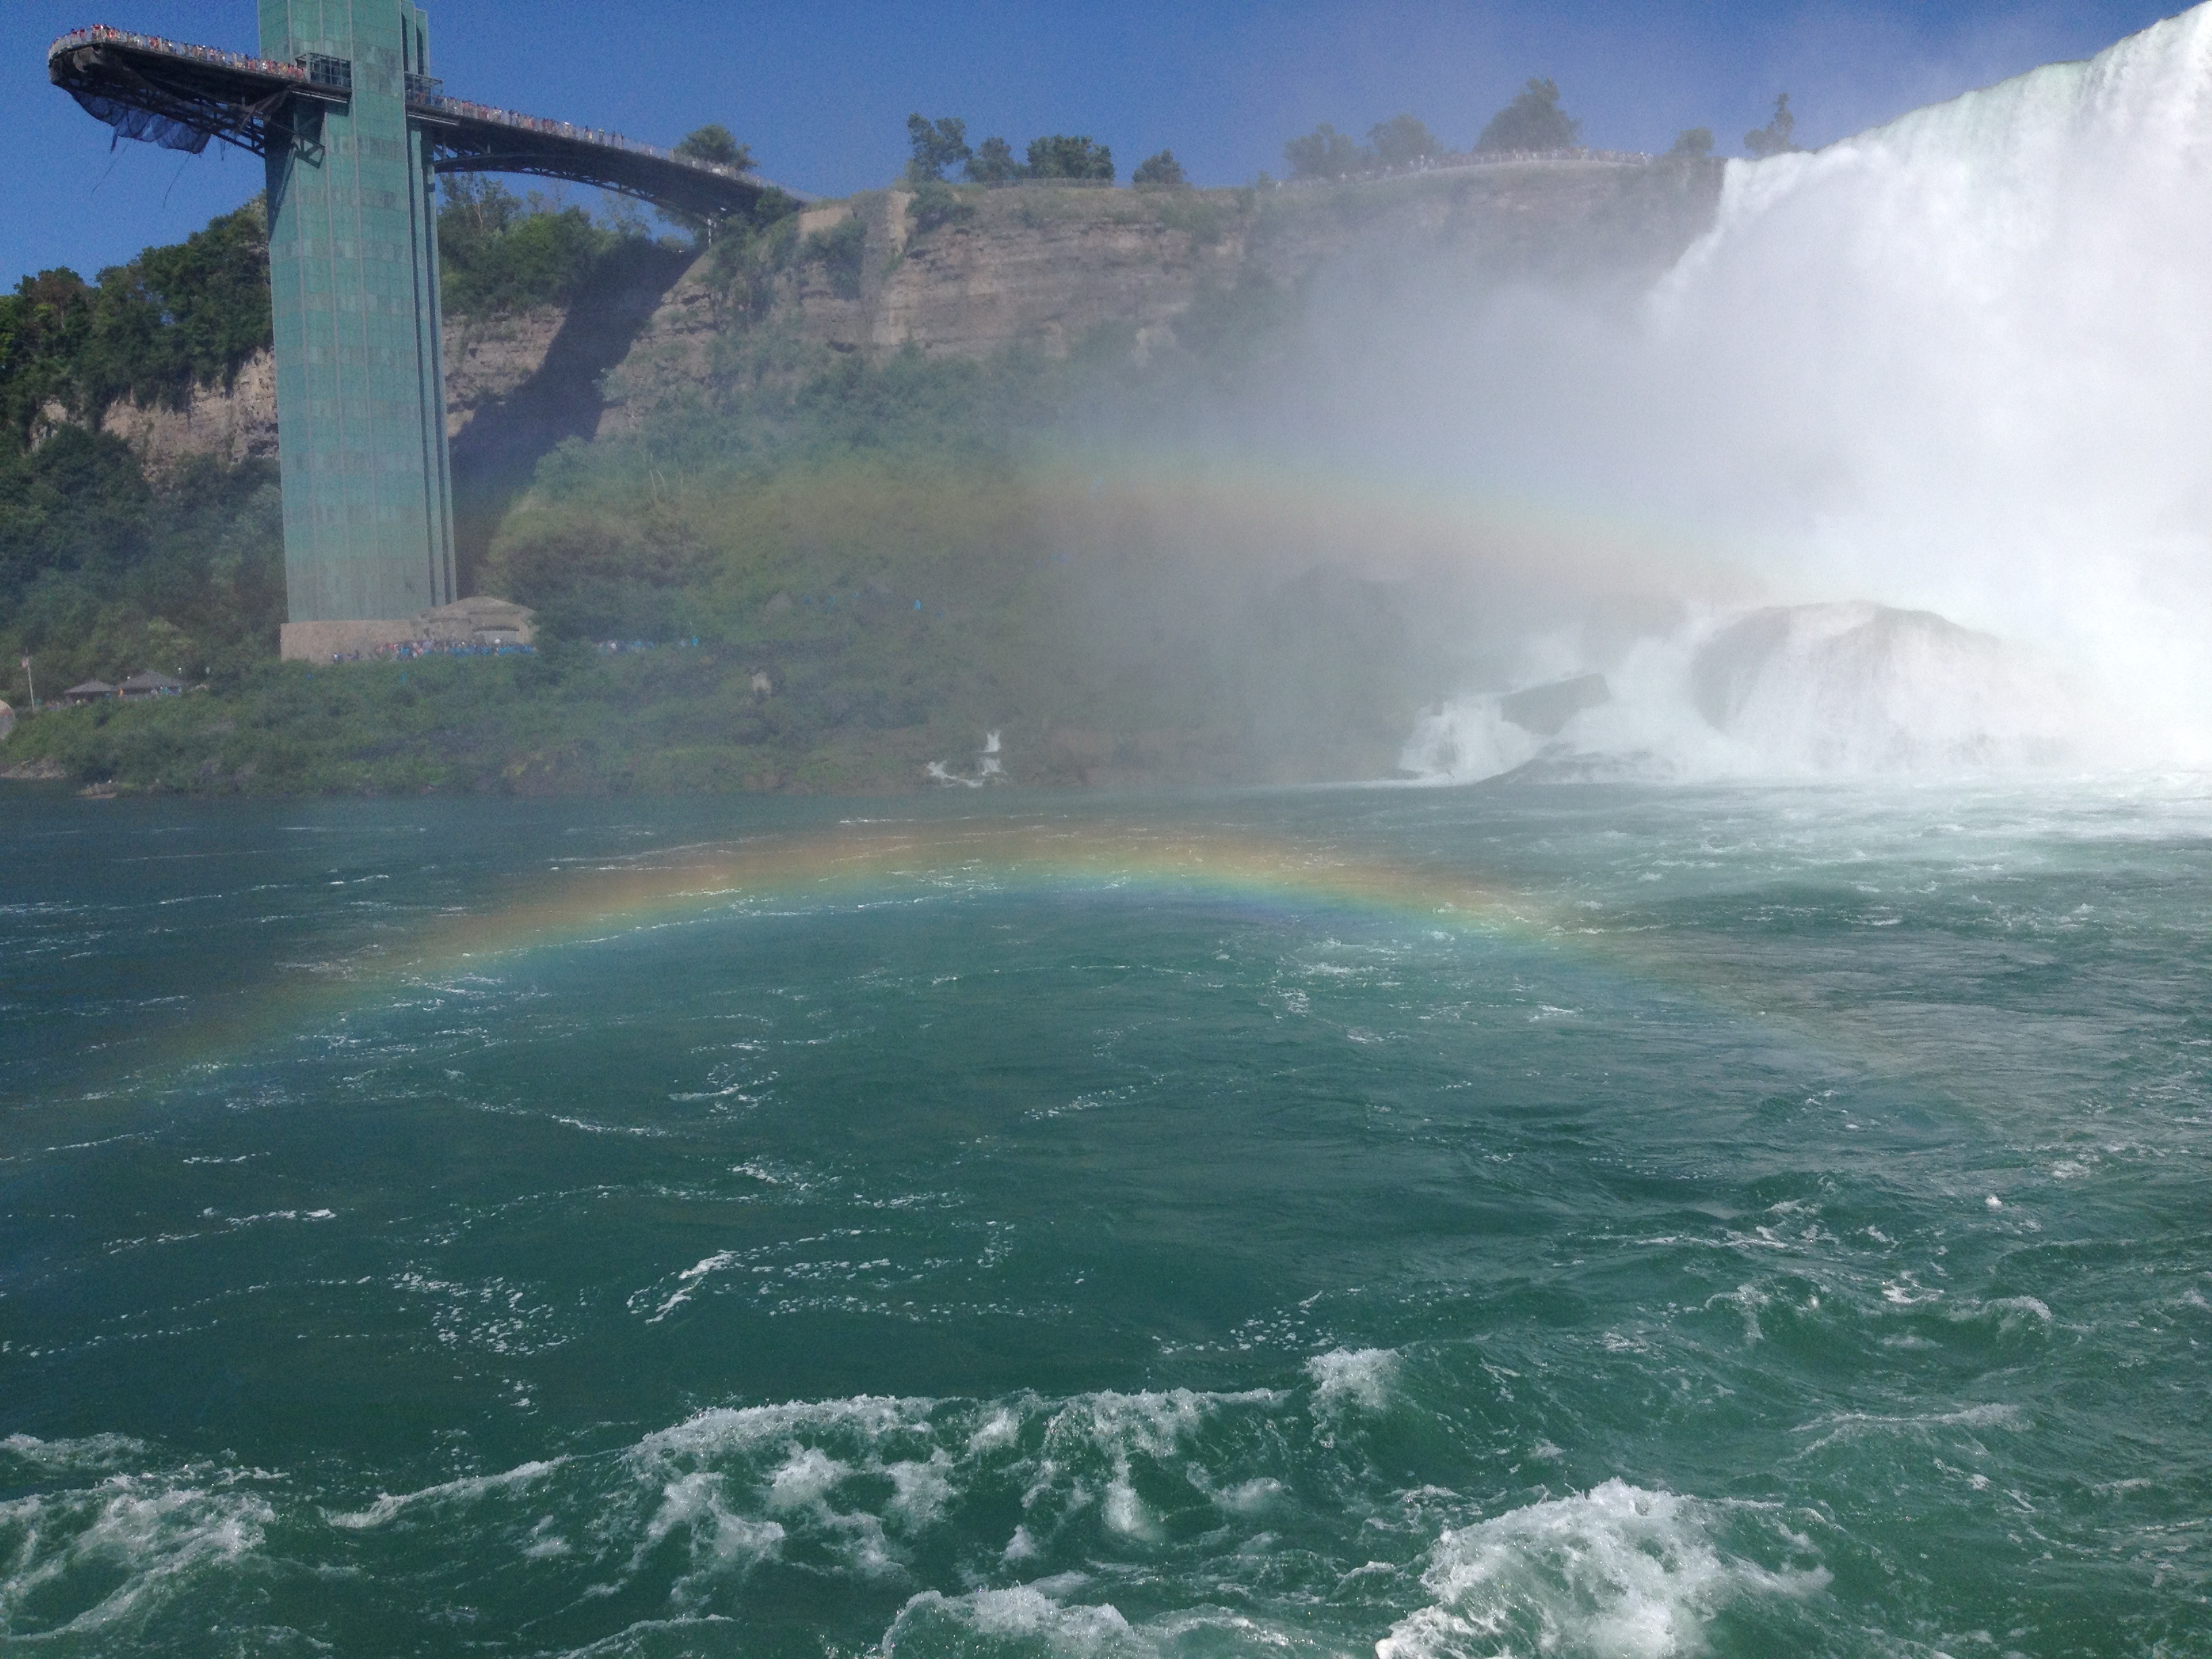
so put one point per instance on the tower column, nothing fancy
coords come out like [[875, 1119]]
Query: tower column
[[353, 270]]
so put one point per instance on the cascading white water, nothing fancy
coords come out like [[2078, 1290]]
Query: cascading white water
[[1960, 364]]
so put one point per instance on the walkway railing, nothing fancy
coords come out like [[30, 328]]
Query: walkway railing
[[1465, 161], [439, 103], [423, 92], [100, 34]]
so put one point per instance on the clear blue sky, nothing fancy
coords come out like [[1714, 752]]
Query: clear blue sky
[[822, 89]]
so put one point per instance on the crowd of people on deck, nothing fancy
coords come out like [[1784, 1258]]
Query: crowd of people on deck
[[100, 34]]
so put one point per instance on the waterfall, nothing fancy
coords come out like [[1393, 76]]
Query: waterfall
[[1960, 364]]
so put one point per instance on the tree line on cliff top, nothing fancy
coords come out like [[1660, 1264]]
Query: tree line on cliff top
[[936, 148], [1533, 122]]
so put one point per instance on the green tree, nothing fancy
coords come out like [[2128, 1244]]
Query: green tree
[[1533, 121], [172, 319], [43, 326], [1325, 153], [841, 251], [1403, 140], [1775, 138], [1061, 156], [1691, 144], [1161, 172], [501, 252], [741, 277], [936, 146], [936, 204], [993, 163], [716, 146], [102, 573]]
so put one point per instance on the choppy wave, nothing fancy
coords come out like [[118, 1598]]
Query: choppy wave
[[906, 1496], [1616, 1573], [112, 1551], [1104, 1523]]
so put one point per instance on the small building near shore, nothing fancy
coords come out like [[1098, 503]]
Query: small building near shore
[[6, 720], [149, 685], [90, 691]]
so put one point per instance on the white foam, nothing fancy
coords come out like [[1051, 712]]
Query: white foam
[[1808, 690], [390, 1505], [1124, 1512], [1618, 1573], [143, 1536], [1251, 1497], [727, 1428], [1846, 1426], [688, 1283], [805, 1481], [722, 1538], [92, 1452], [2011, 1312], [920, 1491], [1466, 739], [1346, 1377], [1025, 1611]]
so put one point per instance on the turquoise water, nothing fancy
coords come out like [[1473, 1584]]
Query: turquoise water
[[1780, 1223]]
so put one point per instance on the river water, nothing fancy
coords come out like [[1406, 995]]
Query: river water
[[1576, 1220]]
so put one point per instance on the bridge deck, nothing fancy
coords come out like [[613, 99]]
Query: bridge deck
[[173, 92]]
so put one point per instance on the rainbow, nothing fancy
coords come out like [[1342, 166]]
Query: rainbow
[[575, 906], [854, 860], [870, 863]]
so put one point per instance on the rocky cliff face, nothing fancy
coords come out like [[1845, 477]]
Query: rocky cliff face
[[233, 423], [971, 271], [485, 361]]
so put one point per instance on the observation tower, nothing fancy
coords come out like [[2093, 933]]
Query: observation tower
[[354, 130]]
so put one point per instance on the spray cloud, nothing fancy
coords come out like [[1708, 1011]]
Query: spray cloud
[[1900, 466]]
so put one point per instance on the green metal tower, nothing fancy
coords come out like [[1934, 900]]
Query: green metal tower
[[341, 106], [353, 276]]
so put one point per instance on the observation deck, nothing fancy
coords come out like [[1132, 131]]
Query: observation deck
[[182, 96]]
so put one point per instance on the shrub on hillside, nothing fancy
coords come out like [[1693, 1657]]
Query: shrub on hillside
[[717, 146], [501, 252], [993, 163], [1059, 155], [1533, 121], [841, 252], [1777, 137], [1403, 140], [1161, 172], [934, 205], [1325, 153], [934, 146], [103, 574]]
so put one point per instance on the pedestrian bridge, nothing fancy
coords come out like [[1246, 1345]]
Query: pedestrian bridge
[[181, 95]]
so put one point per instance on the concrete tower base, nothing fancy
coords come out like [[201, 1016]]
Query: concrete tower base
[[479, 622]]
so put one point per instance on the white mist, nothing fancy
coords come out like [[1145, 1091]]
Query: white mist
[[1960, 364]]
